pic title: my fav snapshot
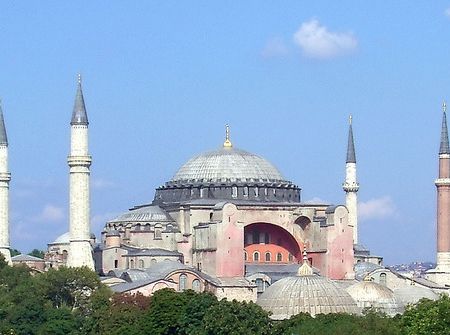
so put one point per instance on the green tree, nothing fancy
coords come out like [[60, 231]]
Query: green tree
[[427, 317], [15, 252], [37, 253]]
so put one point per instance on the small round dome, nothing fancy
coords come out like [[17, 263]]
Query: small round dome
[[144, 214], [411, 294], [368, 294], [225, 165], [62, 239], [311, 294]]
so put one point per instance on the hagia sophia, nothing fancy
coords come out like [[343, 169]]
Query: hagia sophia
[[230, 223]]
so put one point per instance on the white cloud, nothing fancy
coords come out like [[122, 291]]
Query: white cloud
[[447, 12], [316, 41], [50, 213], [378, 208], [100, 184], [315, 201], [275, 47]]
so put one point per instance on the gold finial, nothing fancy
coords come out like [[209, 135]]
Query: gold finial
[[350, 118], [444, 106], [79, 78], [227, 143]]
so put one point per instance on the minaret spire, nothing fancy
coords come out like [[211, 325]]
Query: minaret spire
[[444, 145], [79, 160], [351, 156], [79, 115], [351, 185], [5, 177]]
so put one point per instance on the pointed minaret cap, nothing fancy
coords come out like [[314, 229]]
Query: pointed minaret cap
[[227, 143], [351, 156], [444, 147], [79, 115], [305, 269], [3, 137]]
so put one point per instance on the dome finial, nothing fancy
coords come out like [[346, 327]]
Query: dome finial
[[227, 143], [305, 269], [444, 106], [350, 119]]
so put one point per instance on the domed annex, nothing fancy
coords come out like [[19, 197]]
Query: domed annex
[[306, 293], [369, 294], [412, 294]]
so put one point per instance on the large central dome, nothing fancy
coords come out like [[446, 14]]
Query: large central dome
[[228, 165]]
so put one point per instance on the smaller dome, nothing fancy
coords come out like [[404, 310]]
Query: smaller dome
[[306, 293], [62, 239], [368, 294], [411, 294], [144, 214]]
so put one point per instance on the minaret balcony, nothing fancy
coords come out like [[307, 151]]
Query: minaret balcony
[[79, 161], [5, 176], [442, 182], [350, 187]]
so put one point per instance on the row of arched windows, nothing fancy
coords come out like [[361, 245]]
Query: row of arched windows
[[268, 257], [182, 283]]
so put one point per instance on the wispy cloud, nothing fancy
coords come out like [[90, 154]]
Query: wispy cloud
[[377, 208], [447, 12], [50, 213], [100, 183], [316, 41], [99, 220], [275, 48], [316, 200]]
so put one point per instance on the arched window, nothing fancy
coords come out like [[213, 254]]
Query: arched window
[[141, 263], [196, 285], [158, 235], [290, 257], [279, 257], [256, 191], [137, 227], [245, 191], [245, 256], [116, 264], [234, 191], [259, 285], [202, 192], [147, 227], [182, 282], [383, 279], [268, 256], [131, 264], [153, 261], [256, 256], [64, 255]]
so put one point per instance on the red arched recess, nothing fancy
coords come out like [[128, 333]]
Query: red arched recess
[[268, 243]]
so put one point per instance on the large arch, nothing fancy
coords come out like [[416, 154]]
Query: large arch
[[270, 243]]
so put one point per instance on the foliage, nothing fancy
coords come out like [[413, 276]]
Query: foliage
[[15, 252], [427, 317], [37, 253]]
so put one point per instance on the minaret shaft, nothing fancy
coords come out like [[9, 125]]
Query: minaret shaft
[[5, 177], [79, 160]]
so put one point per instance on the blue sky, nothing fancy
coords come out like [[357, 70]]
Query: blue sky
[[161, 79]]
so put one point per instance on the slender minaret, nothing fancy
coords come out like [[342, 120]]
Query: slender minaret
[[351, 185], [79, 160], [5, 177], [441, 274]]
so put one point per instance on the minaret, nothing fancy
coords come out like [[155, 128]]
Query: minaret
[[351, 185], [441, 274], [5, 177], [79, 160]]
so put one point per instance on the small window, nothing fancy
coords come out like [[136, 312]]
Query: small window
[[245, 256], [202, 192], [266, 192], [182, 283], [116, 264], [383, 279], [153, 261], [290, 257], [259, 285], [158, 234], [234, 191], [256, 256], [279, 257], [196, 285], [141, 263], [245, 191], [256, 191], [131, 264], [268, 256]]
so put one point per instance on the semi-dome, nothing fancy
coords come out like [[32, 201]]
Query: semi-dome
[[228, 164], [306, 293], [369, 294]]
